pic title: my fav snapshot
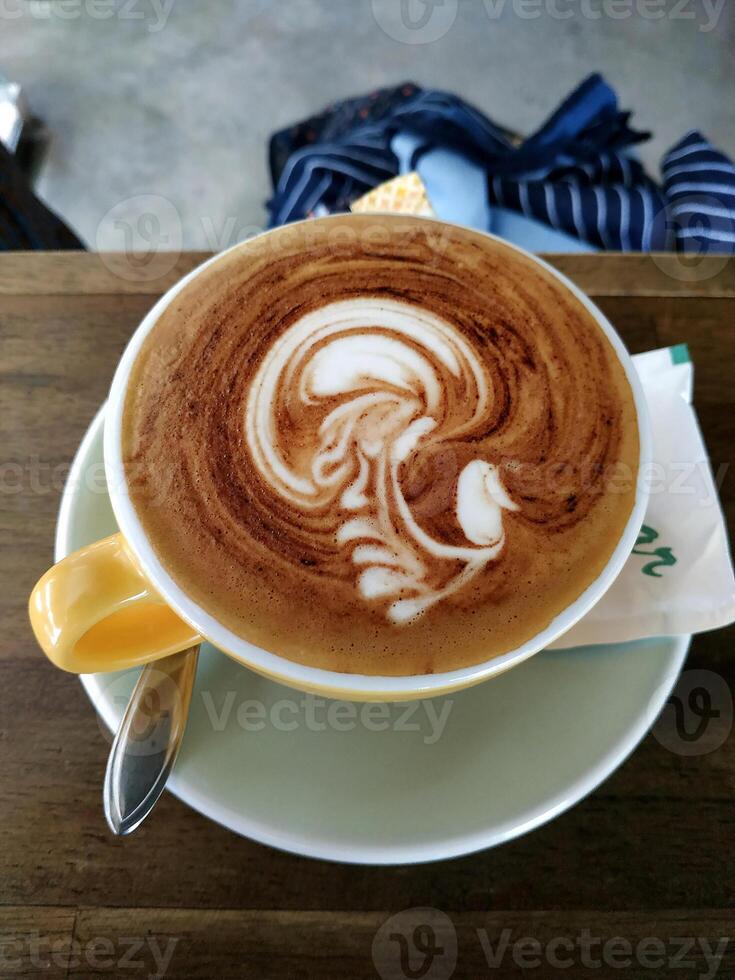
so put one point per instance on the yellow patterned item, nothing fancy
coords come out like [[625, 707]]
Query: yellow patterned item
[[402, 195]]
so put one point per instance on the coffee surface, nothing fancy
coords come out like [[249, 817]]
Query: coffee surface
[[380, 445]]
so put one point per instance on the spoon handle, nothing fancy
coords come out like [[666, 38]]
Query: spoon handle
[[146, 745]]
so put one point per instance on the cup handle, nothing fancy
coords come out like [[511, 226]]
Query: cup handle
[[95, 611]]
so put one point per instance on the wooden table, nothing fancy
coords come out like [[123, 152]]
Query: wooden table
[[650, 855]]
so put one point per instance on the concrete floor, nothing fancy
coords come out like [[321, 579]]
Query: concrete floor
[[177, 98]]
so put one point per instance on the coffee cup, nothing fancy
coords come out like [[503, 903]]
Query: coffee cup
[[332, 367]]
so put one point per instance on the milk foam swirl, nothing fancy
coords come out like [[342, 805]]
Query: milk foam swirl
[[379, 445], [389, 364]]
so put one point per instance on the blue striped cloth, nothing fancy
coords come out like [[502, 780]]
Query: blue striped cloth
[[576, 174], [699, 187]]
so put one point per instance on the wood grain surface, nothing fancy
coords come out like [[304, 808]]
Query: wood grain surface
[[639, 877]]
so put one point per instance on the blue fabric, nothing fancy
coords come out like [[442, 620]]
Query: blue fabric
[[457, 189], [699, 184], [574, 184]]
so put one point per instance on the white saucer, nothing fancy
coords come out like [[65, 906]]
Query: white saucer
[[515, 751]]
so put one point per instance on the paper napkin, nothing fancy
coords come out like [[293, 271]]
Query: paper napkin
[[679, 578]]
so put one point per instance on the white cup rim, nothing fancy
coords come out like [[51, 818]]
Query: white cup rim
[[333, 683]]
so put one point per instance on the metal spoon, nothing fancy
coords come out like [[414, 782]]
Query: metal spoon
[[146, 745]]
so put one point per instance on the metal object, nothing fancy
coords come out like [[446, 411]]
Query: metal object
[[145, 748]]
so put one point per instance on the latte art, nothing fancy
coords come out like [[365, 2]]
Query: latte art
[[404, 379], [380, 445]]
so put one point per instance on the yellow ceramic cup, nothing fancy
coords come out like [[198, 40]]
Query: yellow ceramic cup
[[96, 611], [114, 605]]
